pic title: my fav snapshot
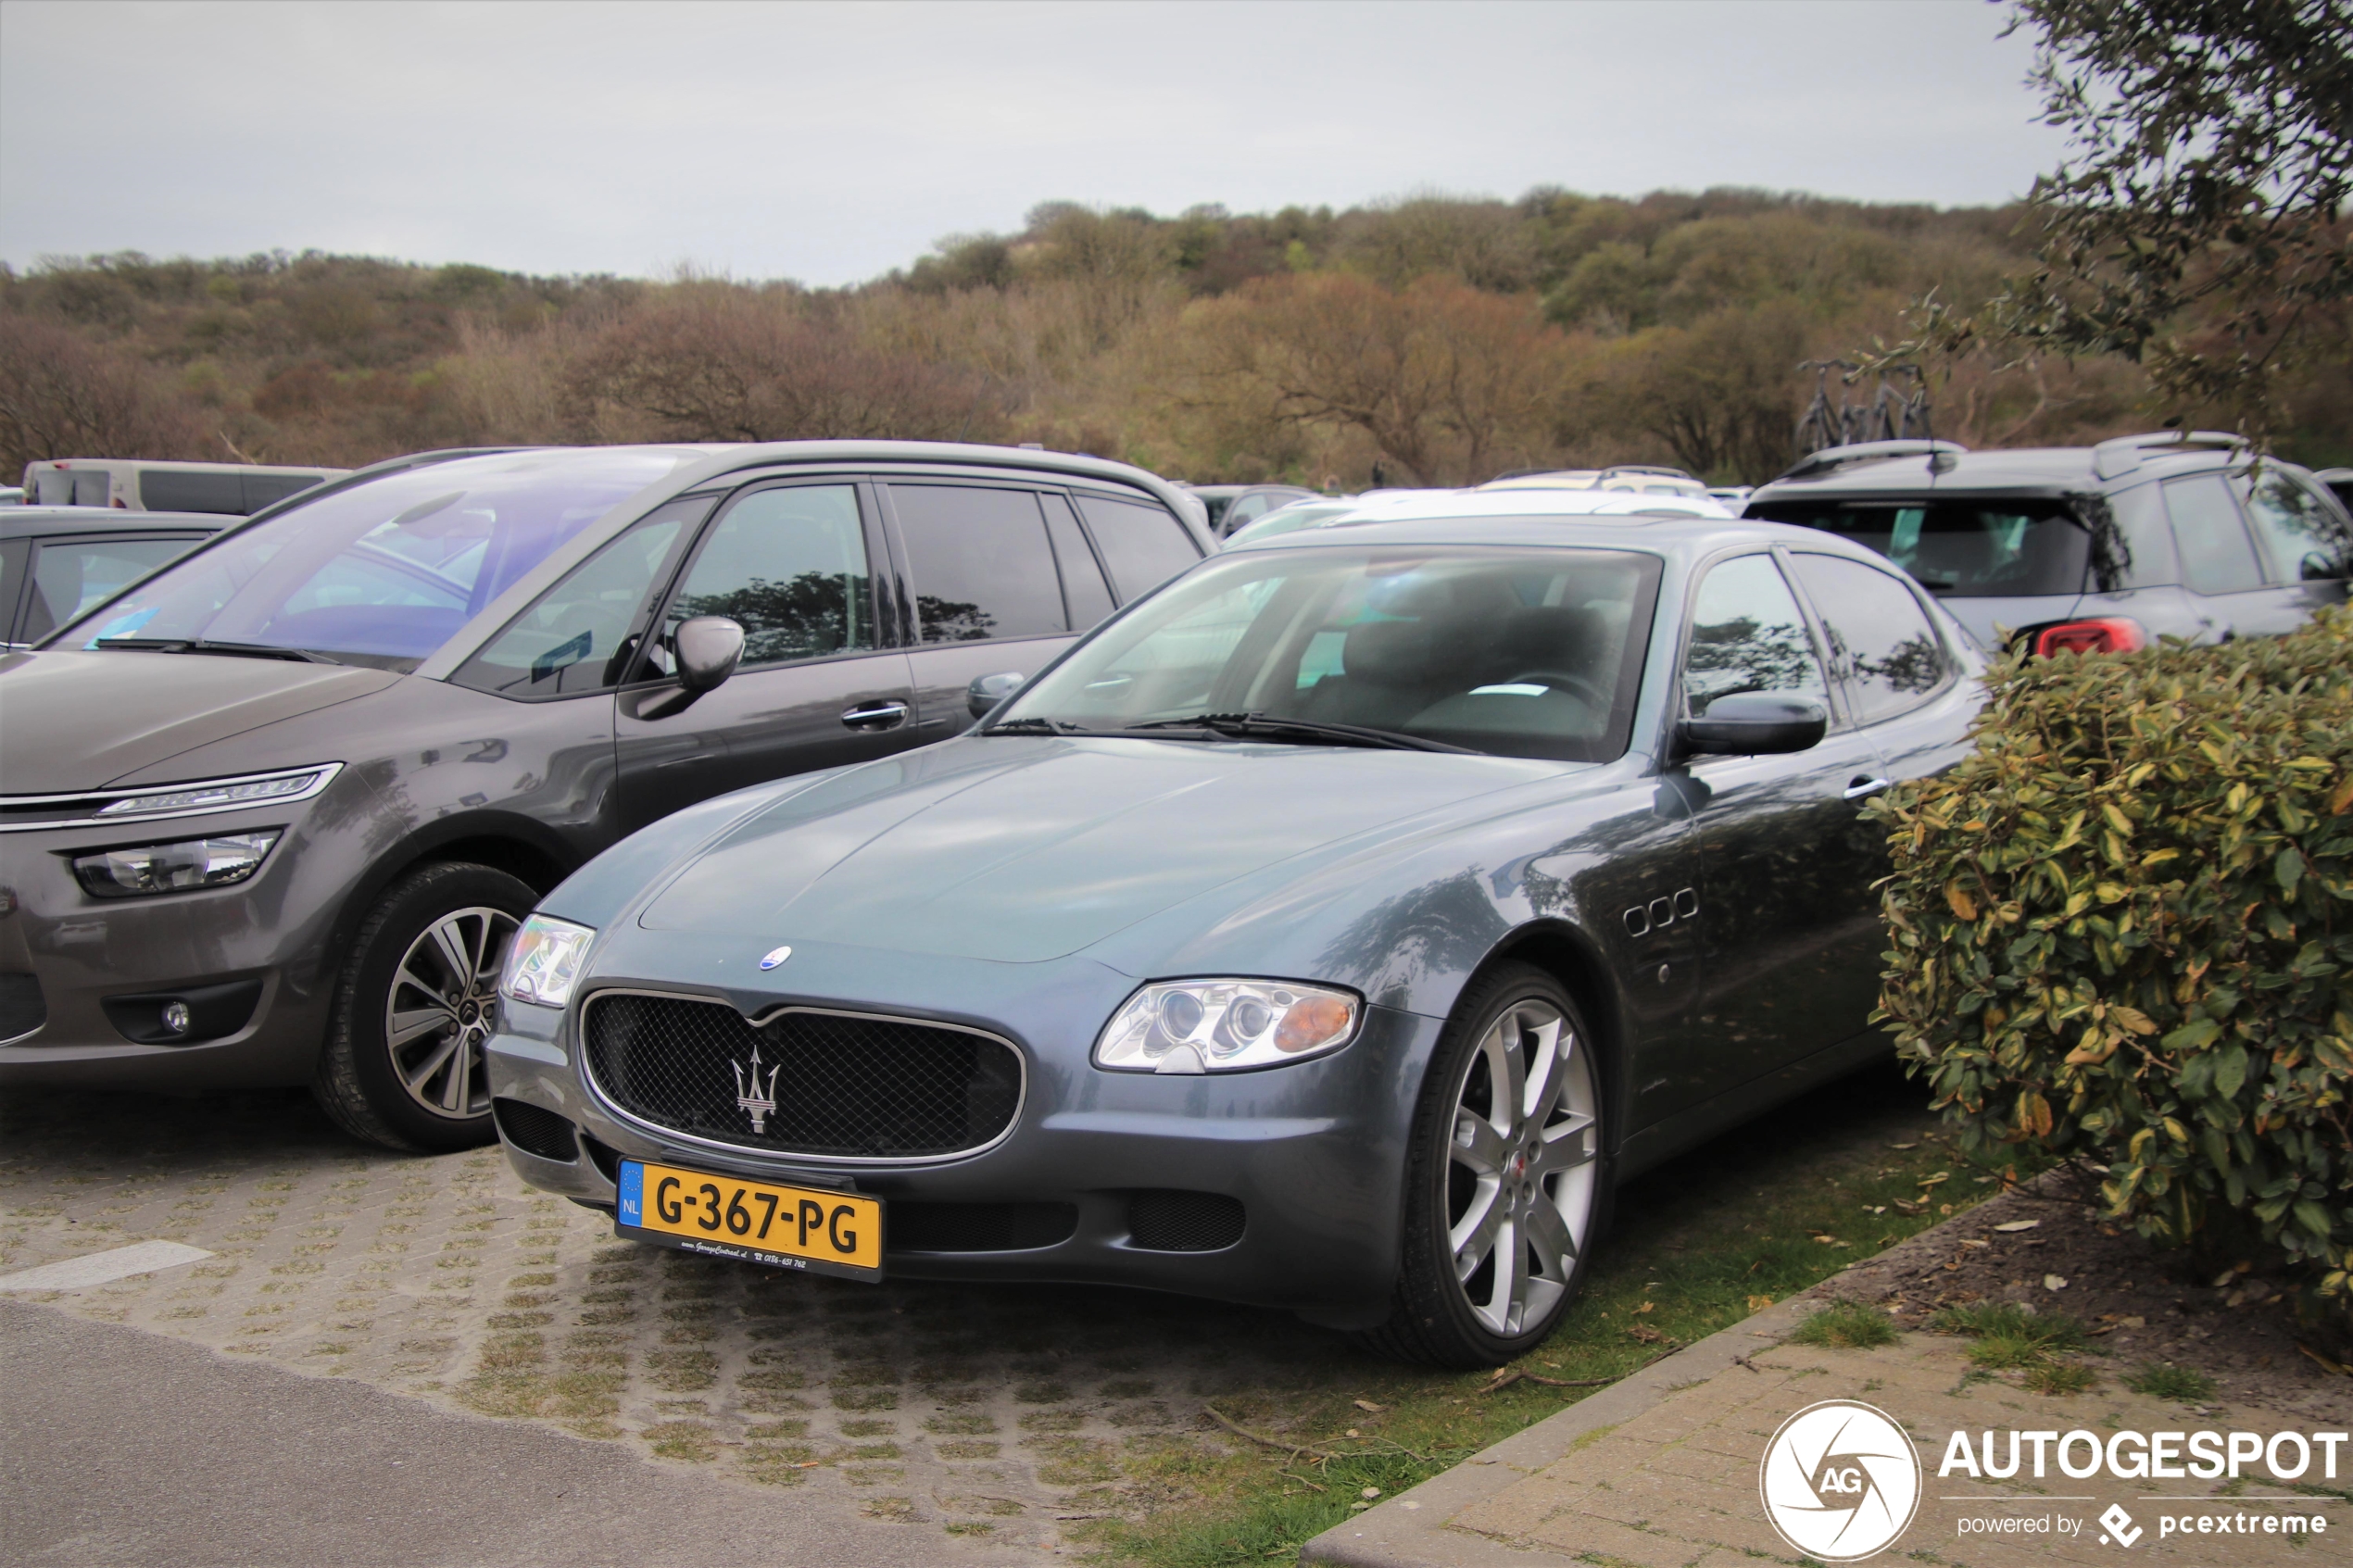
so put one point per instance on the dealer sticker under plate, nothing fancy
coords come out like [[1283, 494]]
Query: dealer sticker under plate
[[786, 1227]]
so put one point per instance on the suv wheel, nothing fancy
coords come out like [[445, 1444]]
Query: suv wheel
[[1506, 1177], [403, 1065]]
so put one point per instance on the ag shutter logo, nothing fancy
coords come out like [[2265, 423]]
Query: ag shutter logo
[[2119, 1524], [1840, 1481]]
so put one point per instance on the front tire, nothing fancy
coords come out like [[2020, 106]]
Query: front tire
[[1506, 1177], [403, 1065]]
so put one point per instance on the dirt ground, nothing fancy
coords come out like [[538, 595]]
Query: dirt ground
[[2143, 1305]]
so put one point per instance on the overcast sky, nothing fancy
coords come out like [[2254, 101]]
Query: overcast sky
[[829, 143]]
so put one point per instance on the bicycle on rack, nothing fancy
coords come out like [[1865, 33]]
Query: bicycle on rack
[[1891, 415]]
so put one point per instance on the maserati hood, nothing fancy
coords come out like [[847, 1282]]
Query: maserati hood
[[76, 720], [1019, 850]]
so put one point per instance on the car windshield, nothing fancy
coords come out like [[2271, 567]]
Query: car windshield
[[381, 573], [1515, 652], [1973, 548]]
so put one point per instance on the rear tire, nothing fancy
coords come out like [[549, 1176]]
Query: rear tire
[[1507, 1177], [417, 1000]]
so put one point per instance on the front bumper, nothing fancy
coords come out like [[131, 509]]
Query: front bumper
[[1313, 1151], [252, 957]]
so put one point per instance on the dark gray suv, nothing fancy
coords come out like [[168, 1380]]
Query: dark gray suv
[[272, 816], [2087, 548]]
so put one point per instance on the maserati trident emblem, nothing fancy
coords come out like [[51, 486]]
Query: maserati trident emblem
[[755, 1096], [774, 957]]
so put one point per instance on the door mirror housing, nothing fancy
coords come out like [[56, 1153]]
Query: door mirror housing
[[987, 691], [707, 647], [1755, 724]]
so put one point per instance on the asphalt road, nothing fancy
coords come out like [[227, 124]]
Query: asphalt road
[[118, 1447]]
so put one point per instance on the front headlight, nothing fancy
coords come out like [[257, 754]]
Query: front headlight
[[173, 867], [1224, 1026], [222, 794], [543, 962]]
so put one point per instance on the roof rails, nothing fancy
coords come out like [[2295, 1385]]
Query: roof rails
[[2120, 454], [1646, 468], [1865, 452]]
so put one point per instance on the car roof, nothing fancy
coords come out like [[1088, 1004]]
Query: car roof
[[1538, 503], [23, 522], [1909, 468], [702, 465], [1680, 534]]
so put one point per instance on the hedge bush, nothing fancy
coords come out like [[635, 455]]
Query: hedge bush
[[2123, 931]]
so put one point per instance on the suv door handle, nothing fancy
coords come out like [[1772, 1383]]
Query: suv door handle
[[1857, 788], [876, 716]]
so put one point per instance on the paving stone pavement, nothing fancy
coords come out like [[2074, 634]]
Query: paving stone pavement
[[1662, 1472], [988, 1414]]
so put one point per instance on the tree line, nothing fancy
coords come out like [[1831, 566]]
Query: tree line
[[1445, 339]]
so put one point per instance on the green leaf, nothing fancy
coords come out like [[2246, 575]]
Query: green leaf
[[2197, 1033], [2313, 1218], [2229, 1071], [2289, 869]]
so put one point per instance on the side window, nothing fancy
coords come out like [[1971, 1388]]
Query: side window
[[1143, 545], [2142, 553], [12, 559], [69, 576], [1083, 588], [980, 561], [1748, 635], [790, 566], [577, 638], [1881, 642], [2217, 556], [2299, 531]]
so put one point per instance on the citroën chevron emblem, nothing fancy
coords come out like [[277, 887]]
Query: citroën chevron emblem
[[755, 1096]]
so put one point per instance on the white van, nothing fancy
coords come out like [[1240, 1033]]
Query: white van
[[133, 484]]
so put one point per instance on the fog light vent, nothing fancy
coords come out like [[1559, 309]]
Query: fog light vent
[[23, 1009], [536, 1132], [980, 1227], [1163, 1221]]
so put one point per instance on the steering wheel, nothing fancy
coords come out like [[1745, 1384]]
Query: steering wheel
[[1578, 686]]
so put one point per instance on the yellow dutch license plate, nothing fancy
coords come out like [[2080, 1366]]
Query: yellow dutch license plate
[[786, 1227]]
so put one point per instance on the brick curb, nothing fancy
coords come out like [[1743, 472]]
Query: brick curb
[[1410, 1530]]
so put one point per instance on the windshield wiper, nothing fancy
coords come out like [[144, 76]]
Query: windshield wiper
[[1264, 727], [1042, 727], [198, 645]]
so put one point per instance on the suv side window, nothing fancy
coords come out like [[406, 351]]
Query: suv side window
[[577, 637], [1883, 645], [70, 575], [790, 566], [2217, 556], [1748, 635], [1082, 587], [1142, 545], [2298, 530], [981, 564]]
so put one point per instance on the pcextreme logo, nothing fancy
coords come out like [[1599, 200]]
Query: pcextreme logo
[[1840, 1481]]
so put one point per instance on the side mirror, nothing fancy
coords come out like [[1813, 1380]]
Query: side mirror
[[709, 648], [987, 691], [1755, 724], [2319, 568]]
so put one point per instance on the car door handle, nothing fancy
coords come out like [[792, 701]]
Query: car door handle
[[876, 716], [1857, 788]]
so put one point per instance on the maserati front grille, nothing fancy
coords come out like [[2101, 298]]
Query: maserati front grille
[[827, 1084]]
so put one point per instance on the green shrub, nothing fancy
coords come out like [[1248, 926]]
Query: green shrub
[[2123, 931], [2162, 1380], [1847, 1325]]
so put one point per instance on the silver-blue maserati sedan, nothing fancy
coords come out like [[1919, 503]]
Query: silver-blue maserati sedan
[[1330, 930]]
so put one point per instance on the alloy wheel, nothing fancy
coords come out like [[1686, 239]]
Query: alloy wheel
[[1521, 1168], [441, 1010]]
